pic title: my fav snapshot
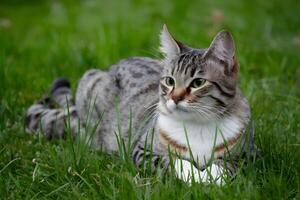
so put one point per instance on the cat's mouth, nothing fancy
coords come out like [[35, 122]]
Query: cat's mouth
[[173, 107]]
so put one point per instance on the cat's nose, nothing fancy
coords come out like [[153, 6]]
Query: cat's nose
[[177, 99], [178, 95]]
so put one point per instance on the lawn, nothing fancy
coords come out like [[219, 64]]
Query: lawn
[[41, 40]]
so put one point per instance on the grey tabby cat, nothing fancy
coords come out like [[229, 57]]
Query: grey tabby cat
[[186, 110]]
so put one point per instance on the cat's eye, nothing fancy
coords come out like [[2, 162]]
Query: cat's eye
[[169, 81], [198, 82]]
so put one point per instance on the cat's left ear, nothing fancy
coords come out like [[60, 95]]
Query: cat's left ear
[[222, 47], [169, 46]]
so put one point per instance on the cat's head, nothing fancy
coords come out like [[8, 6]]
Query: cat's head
[[197, 83]]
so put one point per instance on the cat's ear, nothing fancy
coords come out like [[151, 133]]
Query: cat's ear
[[222, 47], [168, 45]]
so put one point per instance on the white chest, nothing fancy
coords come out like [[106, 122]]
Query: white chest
[[201, 138]]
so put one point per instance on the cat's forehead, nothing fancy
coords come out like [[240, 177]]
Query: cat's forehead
[[187, 64]]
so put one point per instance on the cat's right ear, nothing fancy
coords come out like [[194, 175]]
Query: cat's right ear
[[168, 45], [222, 47]]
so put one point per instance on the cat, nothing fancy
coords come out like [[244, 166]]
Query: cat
[[184, 111]]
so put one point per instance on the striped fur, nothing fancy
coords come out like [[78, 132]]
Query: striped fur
[[133, 102], [44, 117]]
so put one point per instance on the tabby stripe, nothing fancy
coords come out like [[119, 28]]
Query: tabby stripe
[[193, 70], [153, 86], [149, 155], [218, 100], [92, 88], [225, 93], [156, 161], [172, 72], [135, 155], [92, 73], [180, 59], [87, 101], [179, 69], [141, 147], [185, 62], [194, 59], [98, 111], [94, 85], [185, 70], [180, 62]]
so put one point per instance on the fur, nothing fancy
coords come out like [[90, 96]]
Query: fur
[[189, 100]]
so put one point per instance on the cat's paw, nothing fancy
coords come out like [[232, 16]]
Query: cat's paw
[[187, 172], [213, 174]]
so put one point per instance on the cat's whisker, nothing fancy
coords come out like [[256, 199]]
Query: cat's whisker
[[207, 112], [203, 114], [211, 110], [150, 110]]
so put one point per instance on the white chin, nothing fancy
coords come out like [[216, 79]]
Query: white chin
[[171, 105]]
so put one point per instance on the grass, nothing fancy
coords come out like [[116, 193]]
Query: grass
[[41, 40]]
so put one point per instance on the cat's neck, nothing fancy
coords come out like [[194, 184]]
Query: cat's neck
[[201, 137], [229, 126]]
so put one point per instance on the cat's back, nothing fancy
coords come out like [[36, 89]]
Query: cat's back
[[138, 81], [136, 72]]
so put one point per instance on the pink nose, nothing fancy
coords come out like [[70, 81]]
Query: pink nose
[[178, 95], [176, 99]]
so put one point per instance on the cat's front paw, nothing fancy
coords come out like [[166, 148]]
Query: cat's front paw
[[213, 174], [187, 172]]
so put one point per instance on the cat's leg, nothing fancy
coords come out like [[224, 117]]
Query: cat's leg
[[45, 118], [145, 157], [96, 94], [149, 152]]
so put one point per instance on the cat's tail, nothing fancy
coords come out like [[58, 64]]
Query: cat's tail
[[50, 114], [61, 93]]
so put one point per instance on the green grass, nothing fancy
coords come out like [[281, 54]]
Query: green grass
[[41, 40]]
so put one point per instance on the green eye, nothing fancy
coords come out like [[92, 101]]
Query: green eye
[[198, 82], [170, 81]]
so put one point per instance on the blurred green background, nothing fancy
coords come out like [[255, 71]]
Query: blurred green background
[[41, 40]]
